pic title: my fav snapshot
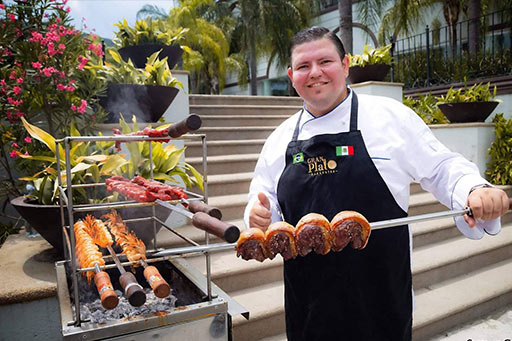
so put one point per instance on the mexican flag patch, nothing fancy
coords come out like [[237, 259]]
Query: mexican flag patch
[[344, 150]]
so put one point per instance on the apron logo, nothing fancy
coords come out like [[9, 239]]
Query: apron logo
[[297, 158], [319, 165], [344, 150]]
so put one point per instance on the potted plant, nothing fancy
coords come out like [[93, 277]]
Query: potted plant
[[371, 65], [145, 93], [472, 104], [147, 37], [92, 163], [425, 106]]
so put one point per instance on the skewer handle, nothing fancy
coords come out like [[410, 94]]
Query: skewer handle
[[203, 221], [160, 287], [199, 206], [133, 291], [191, 123], [108, 296]]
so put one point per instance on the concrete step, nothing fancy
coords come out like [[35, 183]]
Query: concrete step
[[224, 147], [225, 184], [244, 100], [236, 133], [242, 120], [259, 110], [225, 164], [463, 299], [441, 261]]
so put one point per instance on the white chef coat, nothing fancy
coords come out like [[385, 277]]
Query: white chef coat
[[402, 147]]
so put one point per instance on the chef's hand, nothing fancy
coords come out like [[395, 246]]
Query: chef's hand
[[486, 204], [260, 215]]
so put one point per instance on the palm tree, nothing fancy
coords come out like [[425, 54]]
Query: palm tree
[[206, 48], [266, 27]]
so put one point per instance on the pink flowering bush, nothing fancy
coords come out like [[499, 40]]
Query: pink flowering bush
[[47, 77]]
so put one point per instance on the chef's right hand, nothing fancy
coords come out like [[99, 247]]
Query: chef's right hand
[[260, 215]]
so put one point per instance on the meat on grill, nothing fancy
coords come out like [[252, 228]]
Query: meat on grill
[[280, 239], [251, 245], [87, 252], [143, 190], [349, 227], [132, 247], [313, 233], [144, 132]]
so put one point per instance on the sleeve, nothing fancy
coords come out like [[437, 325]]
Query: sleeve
[[268, 169], [447, 175]]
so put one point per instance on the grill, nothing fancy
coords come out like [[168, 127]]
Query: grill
[[196, 309]]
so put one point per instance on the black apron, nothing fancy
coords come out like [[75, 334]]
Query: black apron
[[352, 294]]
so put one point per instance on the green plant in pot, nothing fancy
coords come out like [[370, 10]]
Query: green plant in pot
[[425, 106], [92, 163], [499, 167], [371, 65], [146, 37], [146, 93], [468, 104]]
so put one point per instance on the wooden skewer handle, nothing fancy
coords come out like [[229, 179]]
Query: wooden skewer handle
[[160, 287], [203, 221], [191, 123], [199, 206], [133, 291], [108, 296]]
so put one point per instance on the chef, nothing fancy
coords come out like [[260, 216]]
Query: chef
[[344, 151]]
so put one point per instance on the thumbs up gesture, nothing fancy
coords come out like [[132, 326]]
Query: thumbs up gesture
[[260, 215]]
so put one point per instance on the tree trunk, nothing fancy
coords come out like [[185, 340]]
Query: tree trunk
[[253, 68], [345, 11], [475, 12], [451, 16]]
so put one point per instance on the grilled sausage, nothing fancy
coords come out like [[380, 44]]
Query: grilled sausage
[[313, 233], [280, 238], [349, 227], [251, 245]]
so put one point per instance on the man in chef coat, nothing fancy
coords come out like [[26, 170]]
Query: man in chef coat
[[360, 153]]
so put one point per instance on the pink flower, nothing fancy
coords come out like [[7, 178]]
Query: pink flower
[[2, 6], [62, 46], [61, 87], [16, 90], [83, 61], [12, 75], [58, 20], [36, 65], [82, 107], [19, 80], [15, 145], [26, 153], [13, 154], [20, 114], [46, 15], [11, 17], [2, 82], [73, 107], [28, 139], [68, 9]]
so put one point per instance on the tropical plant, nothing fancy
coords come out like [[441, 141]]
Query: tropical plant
[[92, 162], [156, 71], [476, 93], [499, 168], [147, 31], [425, 106], [379, 55]]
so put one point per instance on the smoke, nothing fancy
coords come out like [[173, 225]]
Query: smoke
[[128, 100]]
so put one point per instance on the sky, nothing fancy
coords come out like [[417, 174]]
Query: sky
[[102, 14]]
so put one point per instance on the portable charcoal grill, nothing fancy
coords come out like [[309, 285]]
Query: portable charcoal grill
[[196, 309]]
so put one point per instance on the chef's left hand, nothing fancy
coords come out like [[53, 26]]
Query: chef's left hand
[[486, 204]]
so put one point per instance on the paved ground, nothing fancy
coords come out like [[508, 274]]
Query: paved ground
[[496, 327]]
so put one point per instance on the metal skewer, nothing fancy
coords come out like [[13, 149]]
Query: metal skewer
[[132, 289], [414, 219]]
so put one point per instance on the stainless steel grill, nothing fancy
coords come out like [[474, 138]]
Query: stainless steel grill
[[196, 310]]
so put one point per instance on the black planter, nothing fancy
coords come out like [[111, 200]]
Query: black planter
[[147, 102], [371, 72], [139, 53], [467, 112], [45, 219]]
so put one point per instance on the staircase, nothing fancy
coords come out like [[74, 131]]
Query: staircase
[[456, 280]]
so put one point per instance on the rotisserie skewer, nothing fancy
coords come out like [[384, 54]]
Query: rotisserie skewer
[[88, 255], [100, 235], [135, 251]]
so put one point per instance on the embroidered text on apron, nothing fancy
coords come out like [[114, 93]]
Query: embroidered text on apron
[[351, 294]]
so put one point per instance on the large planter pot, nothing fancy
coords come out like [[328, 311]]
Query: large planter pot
[[371, 72], [45, 219], [140, 53], [467, 112], [147, 102]]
